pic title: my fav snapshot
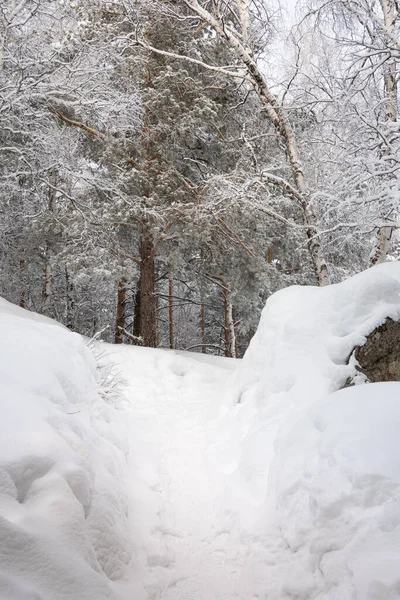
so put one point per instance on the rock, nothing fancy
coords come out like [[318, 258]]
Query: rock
[[379, 357]]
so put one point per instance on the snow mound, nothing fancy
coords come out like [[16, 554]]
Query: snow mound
[[306, 335], [64, 519], [338, 498], [319, 467]]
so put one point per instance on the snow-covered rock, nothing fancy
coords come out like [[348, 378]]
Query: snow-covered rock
[[321, 468]]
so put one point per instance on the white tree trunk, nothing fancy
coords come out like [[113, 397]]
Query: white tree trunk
[[278, 115], [48, 271], [47, 287], [382, 245], [244, 18], [231, 325], [384, 234]]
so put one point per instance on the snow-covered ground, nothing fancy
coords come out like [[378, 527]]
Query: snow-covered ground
[[202, 478], [64, 511]]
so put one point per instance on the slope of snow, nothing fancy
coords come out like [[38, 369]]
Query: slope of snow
[[339, 498], [212, 479], [64, 513], [320, 469], [100, 501]]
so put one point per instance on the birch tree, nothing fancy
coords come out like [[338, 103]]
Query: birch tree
[[358, 92], [226, 24]]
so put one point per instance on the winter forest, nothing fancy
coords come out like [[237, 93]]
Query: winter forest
[[199, 300], [167, 165]]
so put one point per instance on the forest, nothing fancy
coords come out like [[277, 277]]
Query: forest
[[166, 165]]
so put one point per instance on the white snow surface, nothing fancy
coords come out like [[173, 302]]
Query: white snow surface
[[64, 511], [203, 478]]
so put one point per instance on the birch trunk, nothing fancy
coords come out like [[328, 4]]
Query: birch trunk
[[384, 234], [230, 333], [278, 116], [47, 287]]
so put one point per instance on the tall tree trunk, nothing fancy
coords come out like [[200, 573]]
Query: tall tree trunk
[[203, 329], [157, 303], [22, 281], [47, 288], [137, 323], [70, 300], [381, 245], [171, 312], [236, 333], [384, 233], [226, 325], [121, 306], [94, 324], [47, 284], [230, 334], [148, 314]]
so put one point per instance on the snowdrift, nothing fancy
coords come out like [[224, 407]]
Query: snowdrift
[[214, 480], [64, 519], [321, 469]]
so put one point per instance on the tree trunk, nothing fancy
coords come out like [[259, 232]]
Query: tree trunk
[[70, 300], [48, 271], [171, 313], [203, 329], [236, 335], [94, 324], [137, 323], [279, 117], [47, 281], [121, 306], [148, 315], [22, 280], [157, 303], [232, 332], [230, 335], [384, 234], [381, 246], [226, 325], [390, 80]]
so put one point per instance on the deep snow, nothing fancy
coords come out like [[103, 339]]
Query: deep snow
[[203, 478], [63, 508]]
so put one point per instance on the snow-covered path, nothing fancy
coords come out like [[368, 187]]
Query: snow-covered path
[[187, 548], [256, 484]]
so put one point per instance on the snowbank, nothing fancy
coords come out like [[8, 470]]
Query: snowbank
[[64, 519], [265, 482], [338, 498], [306, 334], [320, 469]]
